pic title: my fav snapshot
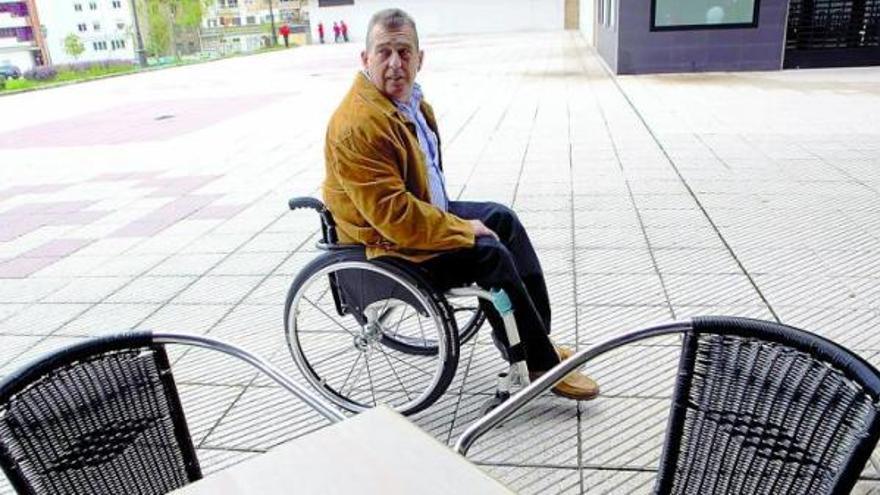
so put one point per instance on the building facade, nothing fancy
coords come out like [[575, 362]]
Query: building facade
[[21, 39], [231, 26], [441, 18], [730, 35], [104, 27]]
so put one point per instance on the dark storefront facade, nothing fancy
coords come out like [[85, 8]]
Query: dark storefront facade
[[653, 36]]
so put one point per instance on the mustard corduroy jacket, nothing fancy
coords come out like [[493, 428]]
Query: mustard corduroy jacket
[[376, 182]]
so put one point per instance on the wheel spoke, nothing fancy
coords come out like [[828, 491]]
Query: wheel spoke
[[392, 356], [356, 361], [323, 294], [422, 330], [330, 317], [394, 371], [397, 328], [334, 355], [370, 377]]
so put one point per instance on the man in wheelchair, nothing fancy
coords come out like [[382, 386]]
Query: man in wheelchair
[[385, 188]]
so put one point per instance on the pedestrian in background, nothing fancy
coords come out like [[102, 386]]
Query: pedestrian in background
[[344, 28], [285, 33], [321, 32], [337, 32]]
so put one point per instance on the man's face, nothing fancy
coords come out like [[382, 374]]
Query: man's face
[[393, 61]]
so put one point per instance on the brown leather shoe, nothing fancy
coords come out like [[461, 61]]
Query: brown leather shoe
[[575, 385], [563, 352]]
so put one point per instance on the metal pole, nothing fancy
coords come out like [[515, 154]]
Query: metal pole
[[554, 375], [317, 403], [272, 20], [139, 41]]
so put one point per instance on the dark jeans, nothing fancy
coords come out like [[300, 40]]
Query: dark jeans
[[509, 263]]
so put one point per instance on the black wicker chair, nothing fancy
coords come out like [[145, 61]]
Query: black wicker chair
[[104, 417], [758, 407]]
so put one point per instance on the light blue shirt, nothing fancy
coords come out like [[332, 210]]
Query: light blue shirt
[[430, 147]]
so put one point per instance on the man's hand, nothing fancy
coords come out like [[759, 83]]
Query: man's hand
[[480, 229]]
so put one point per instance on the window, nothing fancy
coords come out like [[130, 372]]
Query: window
[[212, 23], [236, 21], [117, 44], [99, 45], [82, 27], [703, 14], [251, 19], [93, 6], [77, 7], [97, 26], [120, 26], [612, 14], [334, 3], [117, 4]]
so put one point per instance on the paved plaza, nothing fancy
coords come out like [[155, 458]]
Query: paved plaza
[[158, 201]]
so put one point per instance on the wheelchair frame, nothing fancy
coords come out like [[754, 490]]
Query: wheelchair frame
[[517, 375]]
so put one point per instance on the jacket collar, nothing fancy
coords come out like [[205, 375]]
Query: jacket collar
[[365, 89]]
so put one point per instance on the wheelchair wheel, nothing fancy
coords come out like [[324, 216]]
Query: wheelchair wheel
[[339, 314]]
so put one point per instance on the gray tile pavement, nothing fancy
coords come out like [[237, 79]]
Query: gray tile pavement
[[648, 198]]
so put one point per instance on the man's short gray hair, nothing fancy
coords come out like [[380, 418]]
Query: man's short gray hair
[[391, 19]]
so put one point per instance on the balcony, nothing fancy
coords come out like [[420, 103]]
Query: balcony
[[235, 30], [14, 44], [8, 20]]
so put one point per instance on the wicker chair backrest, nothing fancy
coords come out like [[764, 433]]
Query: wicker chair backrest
[[764, 408], [103, 418]]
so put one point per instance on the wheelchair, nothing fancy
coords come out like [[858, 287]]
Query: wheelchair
[[369, 332]]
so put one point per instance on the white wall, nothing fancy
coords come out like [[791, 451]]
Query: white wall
[[60, 19], [587, 20], [441, 17]]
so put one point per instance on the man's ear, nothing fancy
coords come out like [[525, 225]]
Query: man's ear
[[421, 58], [364, 58]]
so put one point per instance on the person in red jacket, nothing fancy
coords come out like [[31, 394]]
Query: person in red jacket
[[285, 33], [321, 32], [337, 33], [344, 28]]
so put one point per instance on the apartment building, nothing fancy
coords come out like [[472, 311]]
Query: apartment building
[[104, 27], [231, 26], [21, 39]]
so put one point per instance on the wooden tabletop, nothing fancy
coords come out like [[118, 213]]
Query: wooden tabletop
[[375, 452]]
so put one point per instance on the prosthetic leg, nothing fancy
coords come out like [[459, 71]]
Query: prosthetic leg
[[517, 375]]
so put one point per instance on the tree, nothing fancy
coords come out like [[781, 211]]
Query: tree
[[158, 32], [73, 46], [165, 17]]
